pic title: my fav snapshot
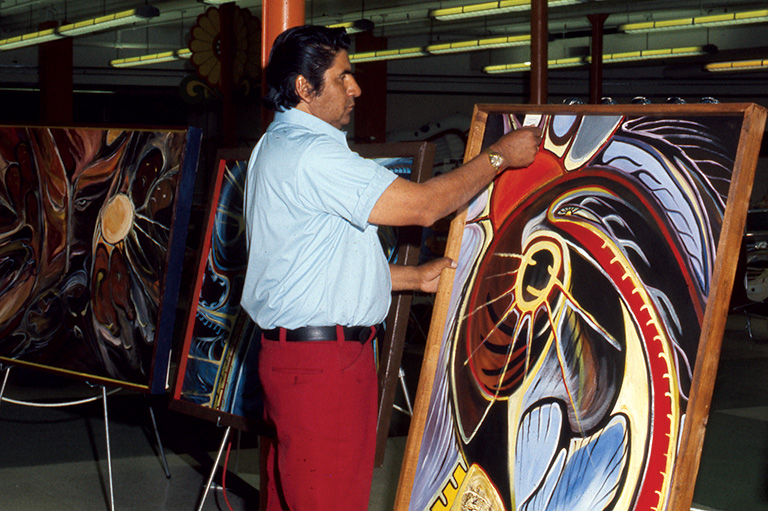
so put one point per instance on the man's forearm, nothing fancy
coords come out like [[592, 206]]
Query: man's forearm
[[447, 192], [404, 278], [407, 203], [424, 277]]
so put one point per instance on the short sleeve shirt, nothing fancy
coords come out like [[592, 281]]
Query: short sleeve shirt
[[314, 260]]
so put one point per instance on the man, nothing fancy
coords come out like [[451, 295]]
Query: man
[[317, 278]]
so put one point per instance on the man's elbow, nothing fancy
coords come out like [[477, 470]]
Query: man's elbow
[[427, 216]]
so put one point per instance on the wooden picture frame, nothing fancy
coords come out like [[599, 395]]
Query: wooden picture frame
[[579, 337], [216, 378], [93, 234]]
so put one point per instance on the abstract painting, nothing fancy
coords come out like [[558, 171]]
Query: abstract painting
[[93, 224], [217, 377], [571, 358]]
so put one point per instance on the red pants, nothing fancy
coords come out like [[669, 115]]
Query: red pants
[[321, 397]]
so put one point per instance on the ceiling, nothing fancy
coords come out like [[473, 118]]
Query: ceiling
[[405, 23], [391, 17]]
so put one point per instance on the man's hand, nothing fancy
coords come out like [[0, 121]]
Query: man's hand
[[425, 277], [430, 273], [518, 148]]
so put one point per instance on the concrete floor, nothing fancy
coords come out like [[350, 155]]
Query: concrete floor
[[54, 459]]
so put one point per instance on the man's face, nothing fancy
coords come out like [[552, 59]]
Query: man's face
[[336, 100]]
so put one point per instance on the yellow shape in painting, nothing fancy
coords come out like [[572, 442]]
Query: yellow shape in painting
[[113, 135], [537, 295], [443, 501], [117, 219], [477, 493]]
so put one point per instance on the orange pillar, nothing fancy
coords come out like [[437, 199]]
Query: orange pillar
[[596, 67], [277, 16], [55, 79], [539, 54]]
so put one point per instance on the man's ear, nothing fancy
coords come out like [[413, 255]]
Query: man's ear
[[303, 88]]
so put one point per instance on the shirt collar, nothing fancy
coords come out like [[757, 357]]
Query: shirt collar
[[296, 116]]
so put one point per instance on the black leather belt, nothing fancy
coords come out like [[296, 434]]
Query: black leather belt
[[320, 333]]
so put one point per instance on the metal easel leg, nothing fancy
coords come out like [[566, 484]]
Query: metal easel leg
[[5, 381], [159, 443], [749, 325], [215, 466], [109, 452], [409, 411]]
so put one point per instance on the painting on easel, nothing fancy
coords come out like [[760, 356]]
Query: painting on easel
[[93, 224], [217, 377], [571, 359]]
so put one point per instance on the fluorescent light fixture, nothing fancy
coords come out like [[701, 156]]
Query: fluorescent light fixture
[[654, 54], [740, 65], [31, 39], [154, 58], [480, 44], [76, 91], [81, 27], [715, 20], [526, 66], [490, 8], [109, 21], [455, 47], [375, 56], [354, 27], [607, 58]]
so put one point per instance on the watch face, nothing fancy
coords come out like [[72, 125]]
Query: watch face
[[496, 159]]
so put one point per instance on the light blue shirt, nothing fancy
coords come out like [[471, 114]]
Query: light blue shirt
[[314, 260]]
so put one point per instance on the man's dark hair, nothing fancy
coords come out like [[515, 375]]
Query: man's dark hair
[[308, 51]]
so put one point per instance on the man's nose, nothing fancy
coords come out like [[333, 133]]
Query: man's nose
[[354, 89]]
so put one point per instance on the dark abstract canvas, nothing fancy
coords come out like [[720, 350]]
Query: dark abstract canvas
[[92, 230]]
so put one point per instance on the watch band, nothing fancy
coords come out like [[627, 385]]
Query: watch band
[[496, 159]]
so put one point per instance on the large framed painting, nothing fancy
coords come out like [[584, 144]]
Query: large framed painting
[[93, 224], [217, 372], [572, 353]]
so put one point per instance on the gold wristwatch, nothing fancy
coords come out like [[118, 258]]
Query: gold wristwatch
[[496, 159]]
